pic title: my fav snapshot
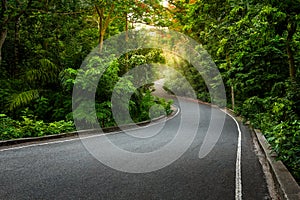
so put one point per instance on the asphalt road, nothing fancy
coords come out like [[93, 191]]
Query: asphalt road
[[65, 169]]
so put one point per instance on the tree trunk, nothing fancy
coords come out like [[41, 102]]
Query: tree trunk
[[16, 45], [292, 26], [126, 26], [101, 41], [232, 98], [232, 88], [2, 40], [101, 27], [3, 33], [291, 59], [101, 34], [126, 38], [103, 23]]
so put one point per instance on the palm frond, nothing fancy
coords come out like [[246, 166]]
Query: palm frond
[[47, 72], [23, 98]]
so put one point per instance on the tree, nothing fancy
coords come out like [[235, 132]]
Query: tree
[[254, 44], [292, 11], [105, 11], [11, 12], [126, 11]]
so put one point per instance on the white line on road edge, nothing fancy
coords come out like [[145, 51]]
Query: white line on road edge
[[39, 144], [86, 137], [238, 173]]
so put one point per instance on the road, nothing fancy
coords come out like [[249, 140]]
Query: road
[[65, 168]]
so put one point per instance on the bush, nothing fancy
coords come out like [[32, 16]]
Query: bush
[[285, 140], [9, 128], [278, 120], [147, 106], [28, 127]]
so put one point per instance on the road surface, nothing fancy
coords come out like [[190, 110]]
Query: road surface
[[65, 169]]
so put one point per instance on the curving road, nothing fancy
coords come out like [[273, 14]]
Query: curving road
[[65, 169]]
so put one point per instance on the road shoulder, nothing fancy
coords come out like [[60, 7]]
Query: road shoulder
[[284, 183]]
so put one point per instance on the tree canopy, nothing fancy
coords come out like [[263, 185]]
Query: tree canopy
[[255, 45]]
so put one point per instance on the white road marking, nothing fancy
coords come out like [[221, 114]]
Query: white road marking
[[238, 172], [87, 137], [40, 144], [57, 142]]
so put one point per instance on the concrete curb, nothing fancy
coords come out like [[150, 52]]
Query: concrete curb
[[89, 131], [286, 186]]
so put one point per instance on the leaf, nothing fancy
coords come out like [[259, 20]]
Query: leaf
[[23, 98]]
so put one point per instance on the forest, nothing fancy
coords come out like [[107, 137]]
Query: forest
[[255, 45]]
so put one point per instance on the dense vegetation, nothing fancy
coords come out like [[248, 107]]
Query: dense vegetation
[[43, 45], [255, 45]]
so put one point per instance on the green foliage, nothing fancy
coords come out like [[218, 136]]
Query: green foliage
[[29, 127], [104, 114], [67, 78], [46, 72], [278, 121], [255, 45], [23, 98], [45, 46], [9, 128], [285, 140], [139, 57], [162, 103], [37, 81], [109, 70], [148, 107], [183, 78]]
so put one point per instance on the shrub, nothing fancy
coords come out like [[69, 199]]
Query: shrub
[[277, 119], [285, 140], [29, 127]]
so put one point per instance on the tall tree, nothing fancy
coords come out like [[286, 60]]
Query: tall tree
[[105, 12], [125, 12], [11, 12]]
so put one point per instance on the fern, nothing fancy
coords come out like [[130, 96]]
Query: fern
[[46, 73], [23, 98]]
